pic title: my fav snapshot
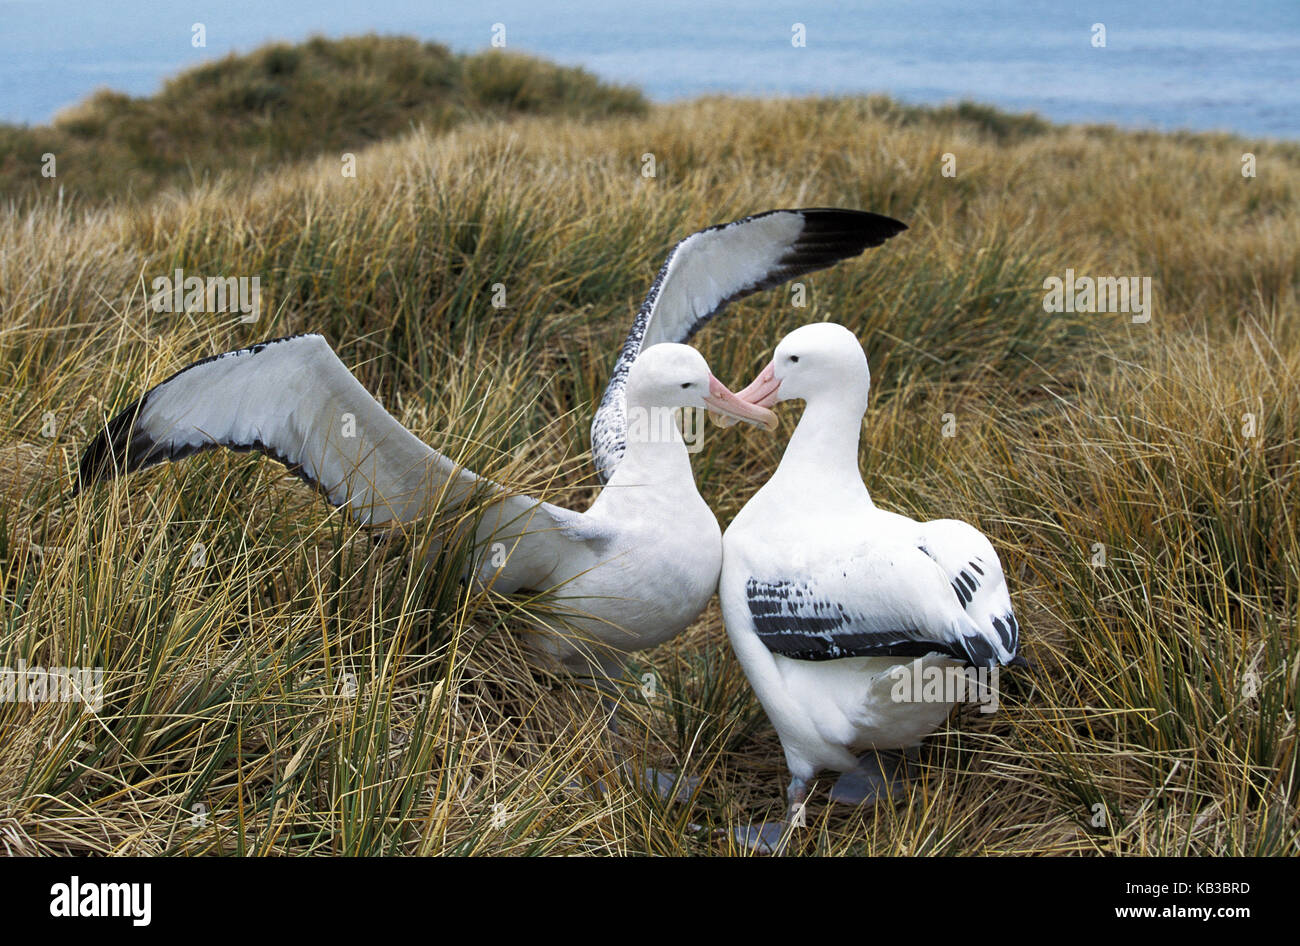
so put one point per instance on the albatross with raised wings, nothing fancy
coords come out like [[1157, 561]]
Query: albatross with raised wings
[[634, 569]]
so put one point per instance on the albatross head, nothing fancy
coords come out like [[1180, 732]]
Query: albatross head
[[819, 361], [669, 375]]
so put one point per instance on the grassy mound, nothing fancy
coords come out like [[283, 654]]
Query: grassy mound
[[281, 103]]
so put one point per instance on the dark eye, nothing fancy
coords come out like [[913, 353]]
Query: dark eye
[[686, 384], [794, 359]]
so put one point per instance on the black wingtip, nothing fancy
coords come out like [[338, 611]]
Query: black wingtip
[[113, 451], [834, 227], [1019, 661], [831, 235], [978, 651], [122, 447]]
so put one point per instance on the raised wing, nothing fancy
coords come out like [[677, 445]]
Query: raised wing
[[717, 266], [887, 600], [294, 400]]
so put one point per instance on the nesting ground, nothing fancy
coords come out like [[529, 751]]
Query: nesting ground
[[278, 680]]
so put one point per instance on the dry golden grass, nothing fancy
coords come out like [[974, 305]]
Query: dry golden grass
[[1164, 692]]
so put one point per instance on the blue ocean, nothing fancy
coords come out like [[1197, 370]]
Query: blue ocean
[[1231, 66]]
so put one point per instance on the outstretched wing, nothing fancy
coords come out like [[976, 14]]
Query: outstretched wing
[[719, 265], [294, 400], [887, 600]]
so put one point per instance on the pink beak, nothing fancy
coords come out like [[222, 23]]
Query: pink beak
[[762, 391], [733, 408]]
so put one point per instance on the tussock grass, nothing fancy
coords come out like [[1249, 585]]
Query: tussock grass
[[316, 689], [281, 103]]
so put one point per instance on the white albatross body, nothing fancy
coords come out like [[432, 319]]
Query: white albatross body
[[829, 711], [827, 599], [622, 580]]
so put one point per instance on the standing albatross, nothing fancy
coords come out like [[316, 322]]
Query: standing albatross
[[634, 569], [825, 596]]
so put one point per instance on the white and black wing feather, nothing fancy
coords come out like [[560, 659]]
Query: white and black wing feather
[[883, 600], [974, 573], [717, 266], [294, 400]]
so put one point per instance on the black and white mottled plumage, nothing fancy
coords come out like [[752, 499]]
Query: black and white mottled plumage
[[970, 563], [716, 266], [832, 611]]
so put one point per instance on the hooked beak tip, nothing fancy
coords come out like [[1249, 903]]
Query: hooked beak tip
[[764, 390], [725, 408]]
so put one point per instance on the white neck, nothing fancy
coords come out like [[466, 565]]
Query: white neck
[[822, 456], [655, 456]]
